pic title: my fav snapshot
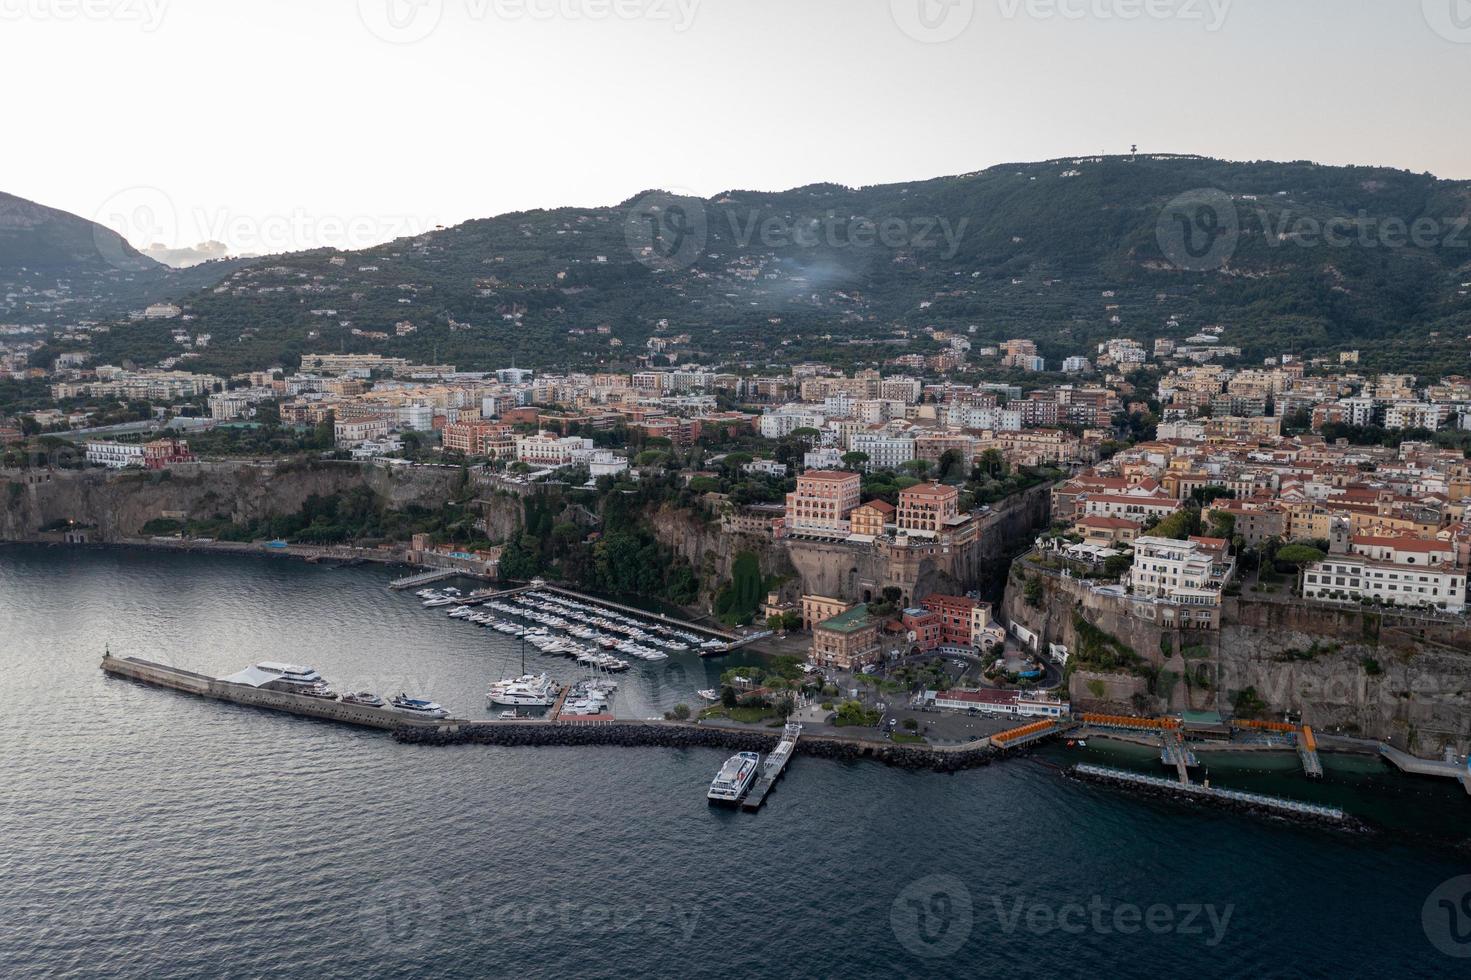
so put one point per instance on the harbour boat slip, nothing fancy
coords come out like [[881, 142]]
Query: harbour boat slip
[[775, 765]]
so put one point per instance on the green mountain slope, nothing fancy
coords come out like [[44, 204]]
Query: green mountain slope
[[853, 275], [56, 267]]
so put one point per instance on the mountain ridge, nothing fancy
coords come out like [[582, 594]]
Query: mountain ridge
[[856, 275]]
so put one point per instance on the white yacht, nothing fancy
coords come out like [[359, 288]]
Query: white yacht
[[418, 706], [291, 675], [734, 778], [365, 698], [526, 691]]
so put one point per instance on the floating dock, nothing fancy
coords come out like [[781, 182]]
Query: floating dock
[[1307, 751], [1256, 801], [1174, 753], [772, 767], [424, 578], [1427, 767], [163, 675]]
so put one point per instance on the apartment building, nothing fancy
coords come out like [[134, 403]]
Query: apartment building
[[927, 508], [823, 502]]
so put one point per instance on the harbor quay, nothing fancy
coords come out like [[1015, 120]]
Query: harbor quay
[[778, 747]]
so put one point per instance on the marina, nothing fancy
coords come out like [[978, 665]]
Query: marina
[[591, 633]]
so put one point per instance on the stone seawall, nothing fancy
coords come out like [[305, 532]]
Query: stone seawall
[[674, 735], [162, 675]]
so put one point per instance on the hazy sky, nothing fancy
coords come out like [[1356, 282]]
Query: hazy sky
[[277, 124]]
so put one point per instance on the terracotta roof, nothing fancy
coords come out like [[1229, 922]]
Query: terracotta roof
[[1107, 522], [929, 490], [1402, 544]]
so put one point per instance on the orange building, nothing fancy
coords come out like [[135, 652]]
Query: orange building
[[822, 503], [870, 518], [927, 508]]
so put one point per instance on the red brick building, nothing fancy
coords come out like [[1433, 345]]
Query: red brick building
[[954, 613]]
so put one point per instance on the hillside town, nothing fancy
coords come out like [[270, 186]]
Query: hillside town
[[1172, 479]]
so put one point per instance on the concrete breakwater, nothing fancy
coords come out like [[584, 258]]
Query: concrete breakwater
[[163, 675], [1235, 800], [678, 735]]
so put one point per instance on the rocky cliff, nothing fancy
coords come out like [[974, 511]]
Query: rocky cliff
[[116, 504], [1360, 671]]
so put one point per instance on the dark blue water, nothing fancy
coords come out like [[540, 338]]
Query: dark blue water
[[149, 834]]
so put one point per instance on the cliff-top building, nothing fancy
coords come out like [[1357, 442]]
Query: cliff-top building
[[822, 503]]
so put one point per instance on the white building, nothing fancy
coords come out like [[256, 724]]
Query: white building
[[765, 467], [885, 450], [829, 458], [787, 419], [1416, 415], [115, 455], [1076, 365], [1171, 568], [355, 432], [419, 418], [1397, 571], [545, 449]]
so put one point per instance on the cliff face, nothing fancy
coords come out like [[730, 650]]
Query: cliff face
[[711, 552], [1360, 671], [860, 572], [118, 504]]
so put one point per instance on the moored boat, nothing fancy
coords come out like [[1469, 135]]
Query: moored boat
[[734, 778]]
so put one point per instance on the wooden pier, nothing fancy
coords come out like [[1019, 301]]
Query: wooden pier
[[772, 767]]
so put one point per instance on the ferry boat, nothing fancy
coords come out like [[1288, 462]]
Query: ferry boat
[[525, 691], [318, 691], [734, 778], [419, 707], [365, 698]]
